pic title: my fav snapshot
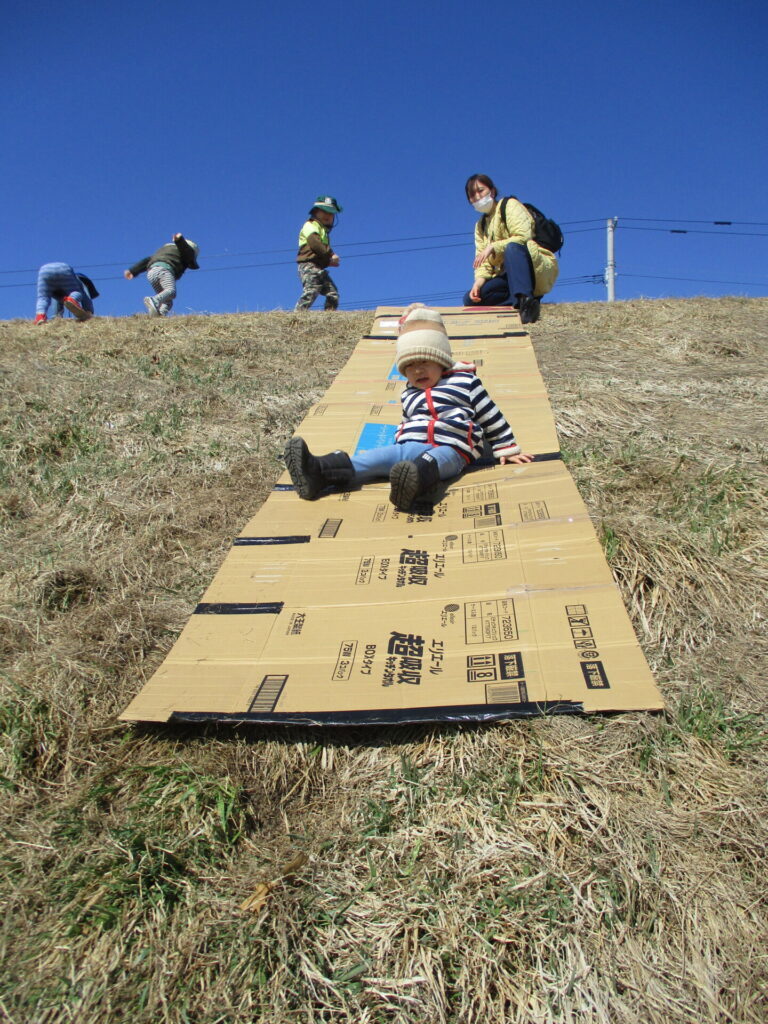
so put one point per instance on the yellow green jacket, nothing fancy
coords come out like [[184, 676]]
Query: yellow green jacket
[[516, 227], [314, 245]]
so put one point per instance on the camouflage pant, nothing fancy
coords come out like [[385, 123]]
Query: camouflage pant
[[316, 282]]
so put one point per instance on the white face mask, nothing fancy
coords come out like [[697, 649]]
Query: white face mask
[[484, 205]]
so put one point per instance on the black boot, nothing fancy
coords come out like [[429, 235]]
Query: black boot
[[529, 309], [311, 474], [411, 480]]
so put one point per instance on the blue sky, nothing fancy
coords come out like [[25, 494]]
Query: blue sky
[[125, 123]]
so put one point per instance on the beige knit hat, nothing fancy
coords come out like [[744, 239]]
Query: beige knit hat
[[423, 344], [418, 316]]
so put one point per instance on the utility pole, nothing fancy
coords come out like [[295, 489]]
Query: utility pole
[[610, 270]]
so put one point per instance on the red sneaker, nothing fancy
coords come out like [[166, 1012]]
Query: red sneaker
[[76, 309], [41, 318]]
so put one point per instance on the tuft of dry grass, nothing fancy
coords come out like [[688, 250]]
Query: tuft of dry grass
[[604, 869]]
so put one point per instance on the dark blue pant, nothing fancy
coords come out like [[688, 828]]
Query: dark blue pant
[[517, 279]]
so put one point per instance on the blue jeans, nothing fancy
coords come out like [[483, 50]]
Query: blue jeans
[[377, 462], [59, 281], [517, 279]]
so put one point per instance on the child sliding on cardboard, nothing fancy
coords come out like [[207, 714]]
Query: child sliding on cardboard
[[447, 413]]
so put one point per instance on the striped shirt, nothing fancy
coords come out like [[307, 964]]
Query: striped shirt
[[457, 412]]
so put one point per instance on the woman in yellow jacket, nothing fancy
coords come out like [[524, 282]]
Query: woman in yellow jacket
[[511, 269]]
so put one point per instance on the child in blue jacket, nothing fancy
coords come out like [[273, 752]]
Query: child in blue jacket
[[71, 291]]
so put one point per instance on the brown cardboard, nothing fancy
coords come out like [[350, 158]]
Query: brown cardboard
[[330, 425], [493, 601], [509, 496]]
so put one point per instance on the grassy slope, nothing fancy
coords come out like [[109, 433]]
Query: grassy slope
[[602, 869]]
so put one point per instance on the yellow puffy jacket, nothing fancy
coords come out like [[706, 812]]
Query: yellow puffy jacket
[[517, 226]]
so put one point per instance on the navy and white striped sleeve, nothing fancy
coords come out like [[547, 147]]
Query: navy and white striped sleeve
[[491, 419]]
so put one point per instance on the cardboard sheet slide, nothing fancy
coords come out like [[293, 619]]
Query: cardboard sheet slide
[[495, 602]]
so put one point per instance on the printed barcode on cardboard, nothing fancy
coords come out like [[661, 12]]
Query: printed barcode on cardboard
[[268, 694], [485, 521], [330, 528], [509, 693]]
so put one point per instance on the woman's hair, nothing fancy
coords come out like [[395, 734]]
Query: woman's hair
[[484, 180]]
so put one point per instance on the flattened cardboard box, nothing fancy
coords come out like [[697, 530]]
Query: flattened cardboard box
[[499, 496], [355, 428], [494, 602]]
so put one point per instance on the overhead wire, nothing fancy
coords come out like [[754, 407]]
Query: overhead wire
[[433, 297], [563, 282], [696, 280], [279, 263], [599, 221], [692, 231], [675, 220], [277, 252]]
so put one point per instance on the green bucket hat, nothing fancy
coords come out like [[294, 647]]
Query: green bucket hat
[[327, 203]]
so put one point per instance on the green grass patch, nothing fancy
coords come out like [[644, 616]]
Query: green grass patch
[[150, 833], [29, 736], [705, 713]]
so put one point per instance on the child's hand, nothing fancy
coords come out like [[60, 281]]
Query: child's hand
[[515, 459], [127, 275]]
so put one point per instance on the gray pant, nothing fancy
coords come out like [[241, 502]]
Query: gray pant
[[316, 282], [162, 280]]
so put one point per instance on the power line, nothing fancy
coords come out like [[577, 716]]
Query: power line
[[434, 297], [284, 263], [729, 223], [277, 252], [692, 231], [699, 280], [418, 238], [562, 282], [584, 279], [401, 300]]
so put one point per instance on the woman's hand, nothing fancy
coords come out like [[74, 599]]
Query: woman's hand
[[334, 261], [127, 275], [483, 256], [516, 460], [474, 291]]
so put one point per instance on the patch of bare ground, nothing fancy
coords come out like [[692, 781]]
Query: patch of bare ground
[[604, 869]]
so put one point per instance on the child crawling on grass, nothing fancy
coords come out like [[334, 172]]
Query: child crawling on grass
[[447, 413]]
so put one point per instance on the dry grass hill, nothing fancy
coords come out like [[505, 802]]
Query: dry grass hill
[[600, 869]]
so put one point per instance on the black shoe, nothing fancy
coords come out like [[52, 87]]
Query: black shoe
[[302, 465], [411, 480], [311, 474], [529, 309]]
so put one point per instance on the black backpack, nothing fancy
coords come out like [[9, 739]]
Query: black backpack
[[546, 232]]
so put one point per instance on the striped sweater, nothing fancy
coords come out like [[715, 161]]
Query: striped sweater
[[458, 412]]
